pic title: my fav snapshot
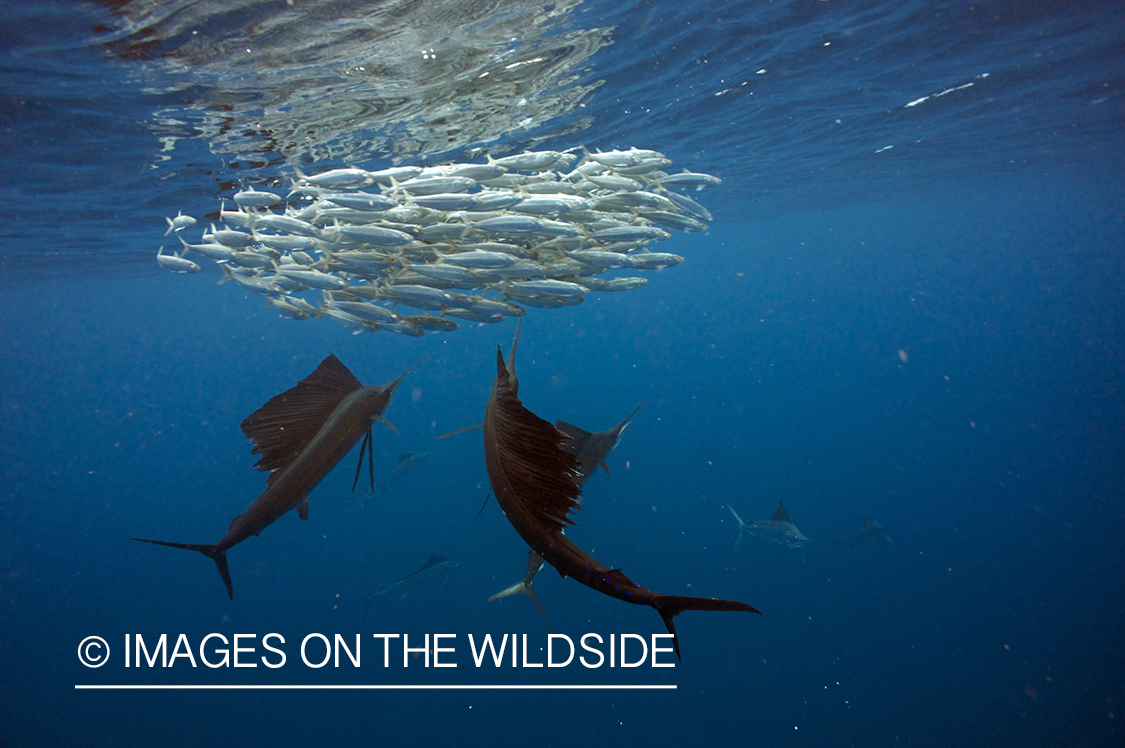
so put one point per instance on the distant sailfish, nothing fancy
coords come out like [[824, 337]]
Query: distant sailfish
[[868, 531], [533, 479], [435, 566], [777, 529], [301, 434], [405, 464], [591, 449]]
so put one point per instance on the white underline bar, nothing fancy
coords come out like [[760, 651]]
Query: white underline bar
[[217, 687]]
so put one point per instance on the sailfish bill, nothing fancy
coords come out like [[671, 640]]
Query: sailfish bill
[[533, 478], [301, 435]]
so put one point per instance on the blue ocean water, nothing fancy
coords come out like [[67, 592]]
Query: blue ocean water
[[910, 306]]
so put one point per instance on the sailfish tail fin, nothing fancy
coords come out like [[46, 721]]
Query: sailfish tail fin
[[670, 606], [523, 587], [210, 551], [741, 526]]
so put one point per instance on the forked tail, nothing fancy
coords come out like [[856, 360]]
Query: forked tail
[[210, 551], [741, 526], [523, 587], [670, 606]]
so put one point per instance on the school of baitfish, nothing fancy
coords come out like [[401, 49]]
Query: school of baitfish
[[364, 247]]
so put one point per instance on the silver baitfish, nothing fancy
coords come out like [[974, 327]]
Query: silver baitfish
[[256, 199], [179, 223], [461, 240], [176, 263]]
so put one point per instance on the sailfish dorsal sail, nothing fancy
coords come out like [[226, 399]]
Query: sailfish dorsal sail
[[781, 515], [527, 452], [284, 426]]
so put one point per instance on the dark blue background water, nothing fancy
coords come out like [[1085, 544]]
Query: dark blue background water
[[986, 246]]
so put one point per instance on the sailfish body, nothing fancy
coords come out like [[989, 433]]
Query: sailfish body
[[777, 529], [301, 435], [435, 566], [533, 478]]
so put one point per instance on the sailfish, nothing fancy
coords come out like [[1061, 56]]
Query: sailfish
[[868, 531], [301, 435], [777, 529], [590, 450], [533, 478]]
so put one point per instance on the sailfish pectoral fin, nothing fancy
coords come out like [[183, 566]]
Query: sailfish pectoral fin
[[389, 424], [359, 465], [210, 551], [370, 459]]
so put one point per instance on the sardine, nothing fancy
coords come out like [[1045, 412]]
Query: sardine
[[479, 258], [358, 200], [485, 305], [631, 234], [395, 174], [232, 238], [535, 161], [341, 179], [614, 284], [380, 315], [251, 198], [675, 220], [179, 223], [350, 321], [214, 251], [176, 263], [448, 201], [436, 185], [430, 323], [419, 297], [378, 235], [312, 278], [261, 286], [689, 180], [288, 306], [539, 288], [471, 316], [601, 258], [288, 224], [552, 204], [655, 260]]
